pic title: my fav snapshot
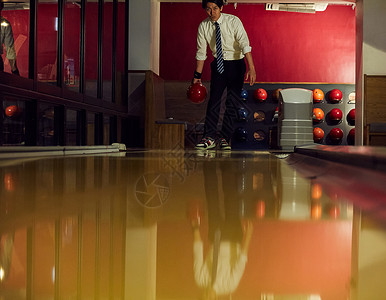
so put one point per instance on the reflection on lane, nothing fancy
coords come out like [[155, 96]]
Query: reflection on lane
[[174, 225], [229, 234]]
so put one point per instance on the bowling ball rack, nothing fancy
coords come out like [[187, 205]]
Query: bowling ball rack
[[262, 127]]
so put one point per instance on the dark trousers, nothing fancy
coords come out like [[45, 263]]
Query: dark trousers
[[232, 79], [227, 220]]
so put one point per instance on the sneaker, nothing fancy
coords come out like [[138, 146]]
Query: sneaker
[[224, 144], [205, 154], [206, 143]]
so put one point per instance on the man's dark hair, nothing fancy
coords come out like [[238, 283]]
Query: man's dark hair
[[219, 3], [1, 5]]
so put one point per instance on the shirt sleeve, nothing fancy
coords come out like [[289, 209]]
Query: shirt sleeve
[[9, 42], [201, 272], [238, 271], [241, 36], [201, 44]]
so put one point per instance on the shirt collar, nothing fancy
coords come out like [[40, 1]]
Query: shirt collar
[[3, 22], [220, 20]]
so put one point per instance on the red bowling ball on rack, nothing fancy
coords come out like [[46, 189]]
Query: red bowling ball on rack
[[335, 96], [335, 114], [318, 134], [351, 137], [318, 115], [336, 134], [196, 93], [318, 95], [351, 116], [260, 94], [351, 133]]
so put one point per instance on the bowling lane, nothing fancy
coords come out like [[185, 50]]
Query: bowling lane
[[191, 225]]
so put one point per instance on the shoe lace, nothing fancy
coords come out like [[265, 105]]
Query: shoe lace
[[206, 139]]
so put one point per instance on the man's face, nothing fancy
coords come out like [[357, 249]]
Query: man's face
[[213, 11]]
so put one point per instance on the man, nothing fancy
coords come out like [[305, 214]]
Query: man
[[218, 270], [227, 33], [6, 39]]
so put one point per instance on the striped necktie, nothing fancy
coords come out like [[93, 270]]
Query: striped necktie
[[220, 60]]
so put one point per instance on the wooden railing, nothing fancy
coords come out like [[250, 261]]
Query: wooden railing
[[160, 132]]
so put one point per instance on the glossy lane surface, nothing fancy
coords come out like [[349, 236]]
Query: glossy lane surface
[[183, 225]]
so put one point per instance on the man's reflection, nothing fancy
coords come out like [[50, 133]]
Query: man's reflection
[[6, 39], [220, 271]]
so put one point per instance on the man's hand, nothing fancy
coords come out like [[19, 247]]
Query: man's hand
[[196, 80], [251, 75], [13, 65]]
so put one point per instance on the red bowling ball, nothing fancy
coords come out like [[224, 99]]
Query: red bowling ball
[[260, 94], [351, 115], [335, 114], [351, 133], [335, 96], [318, 114], [12, 111], [336, 134], [196, 93], [318, 134], [318, 95], [351, 137]]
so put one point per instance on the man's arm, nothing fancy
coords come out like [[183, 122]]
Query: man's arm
[[200, 268], [200, 54], [242, 38], [251, 74], [199, 68]]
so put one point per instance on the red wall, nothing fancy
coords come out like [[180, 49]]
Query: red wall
[[286, 47], [47, 38]]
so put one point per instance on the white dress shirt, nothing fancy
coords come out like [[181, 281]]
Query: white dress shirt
[[234, 38], [230, 268]]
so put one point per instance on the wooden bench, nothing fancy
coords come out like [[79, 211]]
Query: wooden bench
[[160, 132], [375, 110]]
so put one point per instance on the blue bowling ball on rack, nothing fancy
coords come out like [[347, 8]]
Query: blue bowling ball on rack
[[241, 134], [244, 94], [242, 114]]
